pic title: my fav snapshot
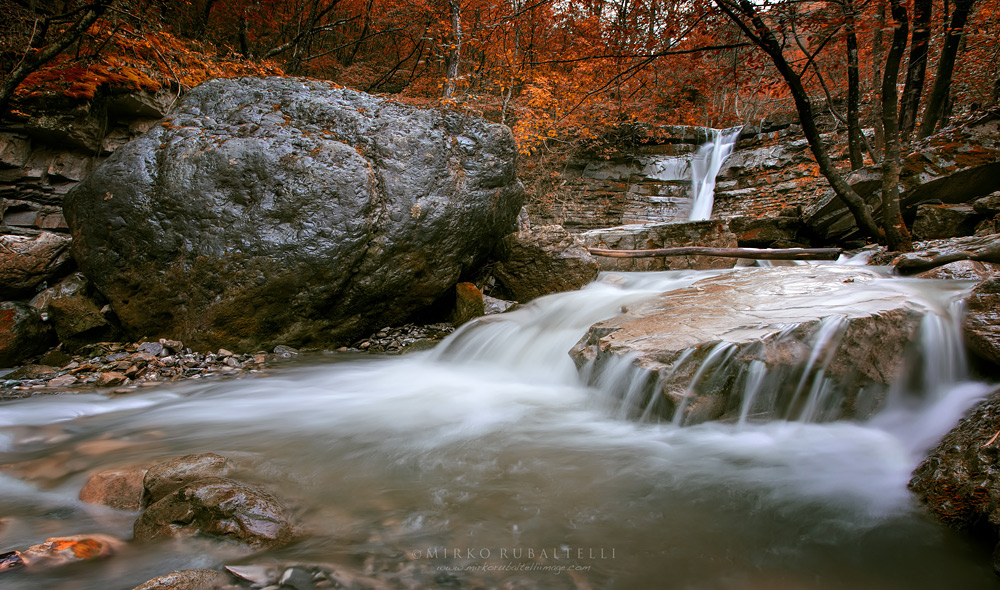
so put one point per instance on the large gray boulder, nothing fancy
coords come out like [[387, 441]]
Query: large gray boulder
[[284, 210]]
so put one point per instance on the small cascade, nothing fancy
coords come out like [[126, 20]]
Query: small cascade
[[705, 166]]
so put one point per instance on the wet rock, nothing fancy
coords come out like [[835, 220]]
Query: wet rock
[[296, 578], [199, 579], [962, 270], [153, 348], [260, 575], [27, 261], [57, 551], [544, 260], [312, 214], [402, 338], [686, 346], [959, 481], [939, 221], [217, 507], [469, 304], [23, 334], [119, 488], [165, 477], [493, 305], [982, 321], [285, 352], [31, 372], [713, 233], [934, 253]]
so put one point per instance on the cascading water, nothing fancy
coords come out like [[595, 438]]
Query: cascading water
[[487, 462], [705, 166]]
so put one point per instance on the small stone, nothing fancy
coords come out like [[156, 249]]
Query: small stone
[[120, 488], [151, 348], [201, 579], [232, 362], [365, 345], [110, 378], [224, 353], [62, 381], [296, 578], [285, 351], [56, 551], [257, 574]]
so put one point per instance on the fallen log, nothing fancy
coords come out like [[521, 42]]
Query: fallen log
[[751, 253]]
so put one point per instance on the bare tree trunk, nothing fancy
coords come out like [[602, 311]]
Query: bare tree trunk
[[897, 236], [916, 70], [877, 59], [854, 138], [455, 50], [938, 98], [35, 59]]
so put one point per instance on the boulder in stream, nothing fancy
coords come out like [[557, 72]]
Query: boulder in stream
[[793, 342], [269, 211], [541, 261]]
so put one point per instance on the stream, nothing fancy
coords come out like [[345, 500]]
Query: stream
[[487, 462]]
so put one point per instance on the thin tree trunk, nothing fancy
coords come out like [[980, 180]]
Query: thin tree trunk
[[892, 218], [877, 63], [455, 50], [749, 253], [938, 98], [854, 137], [916, 70]]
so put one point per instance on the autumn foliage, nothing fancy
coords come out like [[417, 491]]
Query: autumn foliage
[[564, 74]]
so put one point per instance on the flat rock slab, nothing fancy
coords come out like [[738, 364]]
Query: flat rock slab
[[698, 341]]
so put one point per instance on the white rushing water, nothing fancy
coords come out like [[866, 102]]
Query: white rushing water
[[705, 166], [492, 443]]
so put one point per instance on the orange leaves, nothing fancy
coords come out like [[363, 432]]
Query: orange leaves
[[126, 59]]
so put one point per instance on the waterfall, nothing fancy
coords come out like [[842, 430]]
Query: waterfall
[[705, 166]]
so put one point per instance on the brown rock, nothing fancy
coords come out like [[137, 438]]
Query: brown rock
[[110, 378], [200, 579], [936, 221], [23, 334], [167, 476], [963, 270], [76, 316], [119, 488], [26, 261], [543, 260], [56, 551], [982, 320], [469, 303], [217, 507], [712, 233]]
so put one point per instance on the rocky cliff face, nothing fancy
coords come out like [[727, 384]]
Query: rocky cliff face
[[278, 210]]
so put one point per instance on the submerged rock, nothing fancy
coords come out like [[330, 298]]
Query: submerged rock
[[165, 477], [118, 488], [541, 261], [217, 507], [809, 338], [200, 579], [311, 214]]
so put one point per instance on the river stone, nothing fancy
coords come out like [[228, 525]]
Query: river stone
[[543, 260], [27, 261], [167, 476], [217, 507], [76, 317], [982, 321], [969, 270], [286, 210], [959, 481], [23, 334], [770, 315], [200, 579], [119, 488], [712, 233]]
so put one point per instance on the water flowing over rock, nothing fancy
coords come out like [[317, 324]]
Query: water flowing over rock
[[200, 579], [541, 261], [281, 210], [795, 343]]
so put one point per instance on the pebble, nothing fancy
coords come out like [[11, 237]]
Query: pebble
[[396, 340]]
